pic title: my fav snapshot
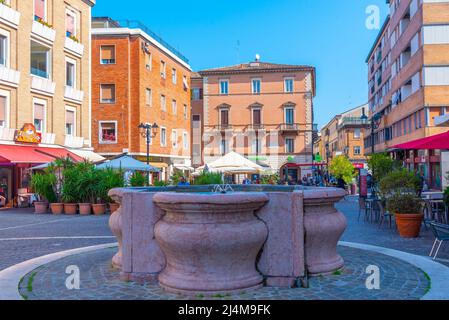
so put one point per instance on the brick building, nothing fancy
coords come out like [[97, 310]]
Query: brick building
[[261, 110], [138, 78], [44, 84], [409, 82]]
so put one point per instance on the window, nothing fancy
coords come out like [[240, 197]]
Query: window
[[70, 71], [70, 122], [185, 82], [107, 54], [163, 103], [186, 112], [196, 94], [257, 117], [224, 86], [174, 107], [256, 83], [288, 85], [149, 97], [224, 117], [70, 23], [40, 10], [185, 141], [107, 93], [3, 110], [163, 72], [174, 138], [289, 115], [356, 133], [163, 137], [3, 50], [39, 116], [40, 60], [174, 76], [357, 150], [256, 146], [289, 145], [224, 146], [149, 61], [108, 132]]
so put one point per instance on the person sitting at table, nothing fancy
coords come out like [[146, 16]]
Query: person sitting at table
[[2, 201]]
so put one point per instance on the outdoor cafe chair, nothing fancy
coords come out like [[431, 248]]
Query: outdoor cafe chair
[[384, 215], [441, 232]]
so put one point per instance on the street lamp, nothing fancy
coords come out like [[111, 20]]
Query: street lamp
[[375, 123], [148, 131]]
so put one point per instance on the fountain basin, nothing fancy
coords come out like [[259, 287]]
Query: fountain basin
[[210, 241]]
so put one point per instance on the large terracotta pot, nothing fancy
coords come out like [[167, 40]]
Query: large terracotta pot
[[40, 207], [409, 225], [85, 208], [113, 207], [99, 209], [57, 208], [210, 241], [70, 208]]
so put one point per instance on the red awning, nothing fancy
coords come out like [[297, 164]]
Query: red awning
[[34, 155], [436, 142]]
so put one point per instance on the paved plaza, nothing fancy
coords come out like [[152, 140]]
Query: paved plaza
[[24, 235]]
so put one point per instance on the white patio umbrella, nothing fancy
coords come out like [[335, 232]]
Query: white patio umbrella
[[234, 161]]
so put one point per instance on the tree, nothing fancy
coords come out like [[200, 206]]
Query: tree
[[381, 164], [341, 167]]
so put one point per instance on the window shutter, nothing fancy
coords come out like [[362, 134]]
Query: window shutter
[[70, 24], [108, 53], [2, 108], [39, 8], [107, 92], [70, 117], [39, 111]]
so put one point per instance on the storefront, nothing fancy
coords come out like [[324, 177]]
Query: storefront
[[423, 157]]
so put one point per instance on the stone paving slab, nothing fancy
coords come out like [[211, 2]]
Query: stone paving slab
[[99, 281]]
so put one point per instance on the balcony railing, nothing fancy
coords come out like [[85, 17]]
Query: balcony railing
[[222, 127], [256, 127], [44, 32], [290, 127], [353, 121], [9, 15]]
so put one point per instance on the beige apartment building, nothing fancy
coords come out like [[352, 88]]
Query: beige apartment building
[[263, 111], [344, 135], [409, 81], [44, 82]]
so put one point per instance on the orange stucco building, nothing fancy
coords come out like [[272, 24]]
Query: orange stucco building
[[138, 78], [263, 111]]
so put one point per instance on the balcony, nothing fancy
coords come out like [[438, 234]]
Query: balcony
[[74, 142], [9, 16], [43, 85], [74, 47], [9, 75], [45, 33], [289, 128], [255, 127], [224, 127], [73, 94], [353, 122]]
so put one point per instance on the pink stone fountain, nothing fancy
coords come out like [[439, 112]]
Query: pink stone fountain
[[196, 241], [210, 241]]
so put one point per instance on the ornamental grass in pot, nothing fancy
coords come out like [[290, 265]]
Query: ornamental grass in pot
[[41, 185], [407, 208]]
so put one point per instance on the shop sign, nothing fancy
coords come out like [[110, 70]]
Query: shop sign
[[359, 165], [28, 134]]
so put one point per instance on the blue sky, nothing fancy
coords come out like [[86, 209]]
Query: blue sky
[[328, 34]]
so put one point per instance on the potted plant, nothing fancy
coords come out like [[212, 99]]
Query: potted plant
[[407, 208], [87, 179], [55, 172], [42, 187], [106, 180]]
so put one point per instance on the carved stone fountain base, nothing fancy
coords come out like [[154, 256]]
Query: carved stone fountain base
[[210, 241]]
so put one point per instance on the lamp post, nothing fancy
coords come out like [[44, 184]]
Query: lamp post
[[148, 131], [374, 124]]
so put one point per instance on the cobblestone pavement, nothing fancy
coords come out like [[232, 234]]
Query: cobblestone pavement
[[99, 281], [25, 235], [367, 233]]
